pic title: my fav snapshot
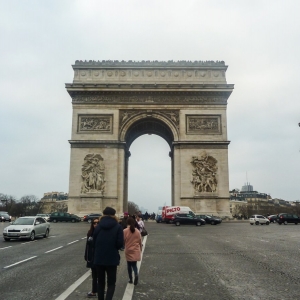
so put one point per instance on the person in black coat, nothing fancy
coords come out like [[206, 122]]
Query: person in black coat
[[89, 257], [108, 239]]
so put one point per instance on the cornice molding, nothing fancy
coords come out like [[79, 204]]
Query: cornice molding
[[97, 144], [153, 97], [148, 63]]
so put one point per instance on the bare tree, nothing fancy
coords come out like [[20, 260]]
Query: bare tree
[[7, 202], [132, 208]]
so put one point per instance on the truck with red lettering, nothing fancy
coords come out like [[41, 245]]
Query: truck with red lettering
[[169, 211]]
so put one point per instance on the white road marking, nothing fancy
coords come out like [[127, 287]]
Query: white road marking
[[19, 262], [83, 238], [72, 287], [28, 242], [73, 242], [130, 287], [54, 249], [5, 247]]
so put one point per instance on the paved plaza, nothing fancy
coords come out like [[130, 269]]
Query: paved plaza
[[229, 261]]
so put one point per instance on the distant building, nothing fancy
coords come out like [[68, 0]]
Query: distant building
[[247, 187], [55, 196], [54, 201], [247, 201]]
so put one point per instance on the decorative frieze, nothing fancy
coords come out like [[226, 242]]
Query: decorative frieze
[[151, 98], [203, 124], [171, 115], [93, 174], [92, 123], [204, 173]]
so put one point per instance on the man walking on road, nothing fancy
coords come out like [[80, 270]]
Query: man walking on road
[[108, 240]]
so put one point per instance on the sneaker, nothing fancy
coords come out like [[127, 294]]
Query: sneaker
[[91, 295]]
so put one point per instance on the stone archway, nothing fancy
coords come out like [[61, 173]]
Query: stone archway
[[116, 102]]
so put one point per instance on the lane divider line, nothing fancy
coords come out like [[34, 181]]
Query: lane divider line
[[19, 262], [130, 287], [29, 242], [54, 249], [73, 242], [72, 287], [5, 247]]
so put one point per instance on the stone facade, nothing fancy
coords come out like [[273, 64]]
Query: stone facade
[[116, 102]]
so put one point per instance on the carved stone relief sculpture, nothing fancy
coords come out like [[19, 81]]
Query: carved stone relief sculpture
[[204, 173], [93, 174], [101, 123], [203, 124]]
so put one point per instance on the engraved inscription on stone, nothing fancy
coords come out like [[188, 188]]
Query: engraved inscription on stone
[[93, 174], [204, 173], [100, 123], [203, 124]]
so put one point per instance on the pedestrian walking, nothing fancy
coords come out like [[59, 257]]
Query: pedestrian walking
[[133, 249], [89, 258], [140, 222], [108, 240]]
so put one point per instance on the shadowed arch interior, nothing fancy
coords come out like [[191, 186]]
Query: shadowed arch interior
[[149, 126]]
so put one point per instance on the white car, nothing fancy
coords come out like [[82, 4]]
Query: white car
[[45, 216], [258, 219], [27, 228]]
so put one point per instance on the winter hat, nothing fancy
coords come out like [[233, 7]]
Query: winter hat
[[109, 211], [125, 213]]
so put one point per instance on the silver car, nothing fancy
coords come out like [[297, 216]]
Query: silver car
[[27, 228]]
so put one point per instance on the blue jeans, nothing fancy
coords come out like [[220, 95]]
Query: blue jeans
[[131, 265]]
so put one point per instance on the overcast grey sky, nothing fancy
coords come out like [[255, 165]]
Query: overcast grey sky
[[258, 40]]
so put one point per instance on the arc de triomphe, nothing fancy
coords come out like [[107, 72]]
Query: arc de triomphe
[[115, 102]]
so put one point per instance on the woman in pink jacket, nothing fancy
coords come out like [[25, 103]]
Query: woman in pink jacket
[[133, 249]]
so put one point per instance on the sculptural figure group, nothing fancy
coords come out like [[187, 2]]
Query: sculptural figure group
[[204, 174], [93, 174]]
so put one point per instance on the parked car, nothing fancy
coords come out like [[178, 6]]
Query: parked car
[[89, 218], [210, 219], [60, 216], [5, 217], [179, 219], [258, 219], [285, 218], [45, 216], [272, 218], [27, 228]]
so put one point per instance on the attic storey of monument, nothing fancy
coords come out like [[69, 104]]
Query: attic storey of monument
[[115, 102]]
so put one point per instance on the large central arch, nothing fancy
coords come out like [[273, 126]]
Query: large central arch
[[116, 102]]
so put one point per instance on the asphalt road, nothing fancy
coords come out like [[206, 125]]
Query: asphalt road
[[228, 261]]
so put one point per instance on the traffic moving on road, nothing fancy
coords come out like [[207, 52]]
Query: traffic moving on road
[[27, 228], [47, 268]]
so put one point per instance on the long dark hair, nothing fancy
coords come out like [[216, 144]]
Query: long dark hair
[[92, 228], [131, 223]]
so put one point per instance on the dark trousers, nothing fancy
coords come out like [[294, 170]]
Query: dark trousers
[[131, 266], [111, 272], [94, 280]]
